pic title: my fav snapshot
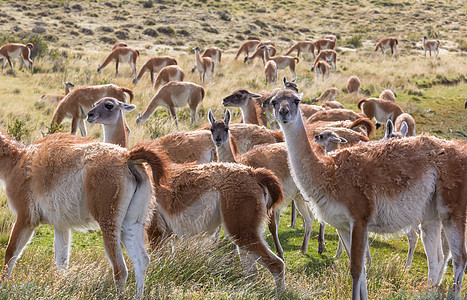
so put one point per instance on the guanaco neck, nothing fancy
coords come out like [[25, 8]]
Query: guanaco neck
[[117, 133], [11, 153], [225, 152], [249, 113], [199, 64], [67, 89]]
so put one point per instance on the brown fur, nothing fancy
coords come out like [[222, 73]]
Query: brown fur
[[410, 123], [302, 46], [322, 68], [247, 47], [154, 65], [281, 61], [36, 176], [25, 54], [332, 105], [370, 105], [167, 74], [387, 95], [260, 53], [168, 95], [270, 71], [322, 44], [251, 112], [353, 137], [334, 115], [80, 101], [390, 42], [205, 66], [116, 55], [328, 55], [353, 84], [327, 95], [119, 44], [57, 98]]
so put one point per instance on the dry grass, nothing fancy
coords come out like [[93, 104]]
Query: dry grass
[[433, 91]]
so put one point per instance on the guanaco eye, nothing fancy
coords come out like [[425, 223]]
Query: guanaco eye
[[108, 106], [296, 101], [238, 95], [273, 102], [226, 129]]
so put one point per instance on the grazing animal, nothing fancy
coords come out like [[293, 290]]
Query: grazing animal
[[214, 53], [388, 42], [17, 51], [395, 184], [270, 71], [110, 113], [79, 102], [154, 65], [408, 120], [71, 183], [322, 68], [119, 44], [381, 110], [387, 95], [322, 44], [199, 198], [332, 105], [272, 157], [331, 37], [57, 98], [353, 84], [281, 61], [328, 55], [167, 74], [302, 47], [205, 66], [176, 94], [331, 115], [247, 47], [430, 45], [328, 94], [259, 53], [121, 55]]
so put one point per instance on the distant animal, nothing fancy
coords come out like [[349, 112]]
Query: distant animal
[[205, 66], [381, 110], [302, 47], [259, 53], [353, 84], [250, 46], [57, 98], [167, 74], [322, 68], [214, 53], [430, 45], [121, 55], [154, 65], [270, 71], [17, 51], [328, 55], [281, 61], [388, 42], [322, 44], [328, 94], [119, 44], [387, 95]]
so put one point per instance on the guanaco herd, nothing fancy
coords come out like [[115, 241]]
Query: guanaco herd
[[238, 175]]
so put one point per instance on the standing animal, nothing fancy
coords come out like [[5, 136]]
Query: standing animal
[[214, 53], [259, 53], [17, 51], [109, 112], [154, 65], [353, 84], [167, 74], [302, 47], [205, 66], [119, 44], [270, 71], [430, 45], [327, 55], [79, 102], [331, 37], [381, 110], [57, 98], [272, 157], [408, 120], [121, 54], [396, 184], [250, 46], [322, 44], [388, 42], [387, 95], [281, 61], [322, 68], [74, 183], [176, 94], [244, 100]]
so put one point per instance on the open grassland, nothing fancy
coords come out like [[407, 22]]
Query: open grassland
[[74, 37]]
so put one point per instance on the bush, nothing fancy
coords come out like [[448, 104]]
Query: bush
[[19, 129], [166, 30], [354, 42], [150, 32]]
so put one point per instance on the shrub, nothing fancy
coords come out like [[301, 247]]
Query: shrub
[[354, 42], [19, 129], [166, 30], [150, 32]]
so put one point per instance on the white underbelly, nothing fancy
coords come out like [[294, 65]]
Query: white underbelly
[[182, 98], [125, 58]]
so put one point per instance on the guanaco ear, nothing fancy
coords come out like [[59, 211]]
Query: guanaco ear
[[285, 81], [126, 107], [389, 129], [266, 102], [211, 117], [295, 79], [300, 96], [404, 129], [227, 117], [343, 141]]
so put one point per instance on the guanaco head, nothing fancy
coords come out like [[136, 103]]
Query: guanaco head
[[219, 128], [197, 49], [239, 98], [135, 80], [390, 133], [108, 111], [285, 104], [329, 140], [68, 84], [291, 85], [99, 68]]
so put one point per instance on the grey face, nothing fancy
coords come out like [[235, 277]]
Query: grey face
[[239, 98], [108, 111], [327, 137], [219, 129], [285, 104]]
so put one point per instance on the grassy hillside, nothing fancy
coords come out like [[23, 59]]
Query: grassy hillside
[[72, 38]]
